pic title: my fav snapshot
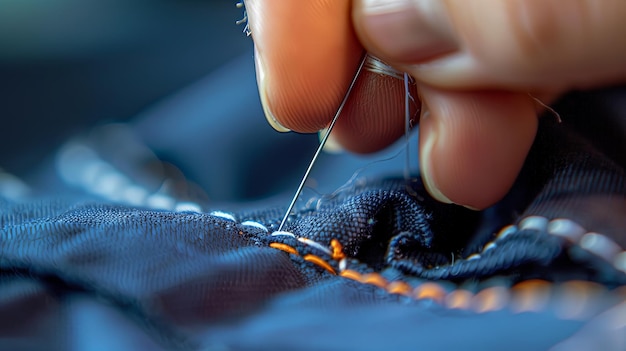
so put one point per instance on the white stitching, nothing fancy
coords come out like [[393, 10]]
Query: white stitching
[[255, 225]]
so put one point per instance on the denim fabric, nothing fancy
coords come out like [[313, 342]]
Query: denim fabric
[[85, 271]]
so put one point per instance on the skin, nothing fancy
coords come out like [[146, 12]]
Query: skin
[[477, 66]]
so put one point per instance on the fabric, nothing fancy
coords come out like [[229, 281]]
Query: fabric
[[106, 256]]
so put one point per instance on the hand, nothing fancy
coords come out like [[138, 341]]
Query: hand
[[475, 63]]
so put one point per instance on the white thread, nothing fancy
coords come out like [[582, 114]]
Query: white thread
[[534, 223], [283, 233], [343, 264], [506, 231], [597, 244], [79, 165], [188, 207], [255, 225], [160, 201], [489, 246], [316, 245], [134, 195], [376, 65], [566, 229], [223, 215], [600, 245]]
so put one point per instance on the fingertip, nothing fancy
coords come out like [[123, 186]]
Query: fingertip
[[473, 144], [305, 60]]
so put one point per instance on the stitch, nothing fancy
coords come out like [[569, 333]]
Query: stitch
[[459, 299], [490, 299], [430, 291], [474, 256], [342, 264], [526, 296], [350, 274], [110, 183], [188, 207], [530, 295], [283, 233], [284, 247], [600, 245], [255, 224], [489, 246], [223, 215], [316, 245], [160, 201], [337, 250], [374, 279], [506, 231], [597, 244], [399, 287], [134, 195], [567, 229], [534, 223], [320, 262]]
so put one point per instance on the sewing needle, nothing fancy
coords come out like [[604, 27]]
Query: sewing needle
[[321, 146]]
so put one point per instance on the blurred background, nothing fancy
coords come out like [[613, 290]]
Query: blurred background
[[179, 74]]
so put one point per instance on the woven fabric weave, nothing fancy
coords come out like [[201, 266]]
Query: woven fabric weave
[[379, 266]]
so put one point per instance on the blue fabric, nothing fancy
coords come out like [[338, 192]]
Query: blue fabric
[[117, 249]]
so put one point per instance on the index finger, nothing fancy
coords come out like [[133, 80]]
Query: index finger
[[306, 53]]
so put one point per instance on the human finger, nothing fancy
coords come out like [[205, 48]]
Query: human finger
[[513, 44], [473, 144], [306, 53]]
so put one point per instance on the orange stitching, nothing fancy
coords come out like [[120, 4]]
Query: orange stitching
[[530, 295], [374, 279], [399, 287], [337, 250], [490, 299], [350, 274], [430, 291], [320, 262], [459, 299], [284, 247]]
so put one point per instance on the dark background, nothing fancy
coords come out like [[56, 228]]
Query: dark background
[[66, 64], [180, 73]]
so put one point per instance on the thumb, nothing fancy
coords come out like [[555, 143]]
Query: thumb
[[513, 44]]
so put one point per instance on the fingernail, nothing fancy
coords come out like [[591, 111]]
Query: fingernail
[[411, 31], [261, 79], [332, 146], [426, 162]]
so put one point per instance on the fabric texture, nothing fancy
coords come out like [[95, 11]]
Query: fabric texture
[[377, 265]]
